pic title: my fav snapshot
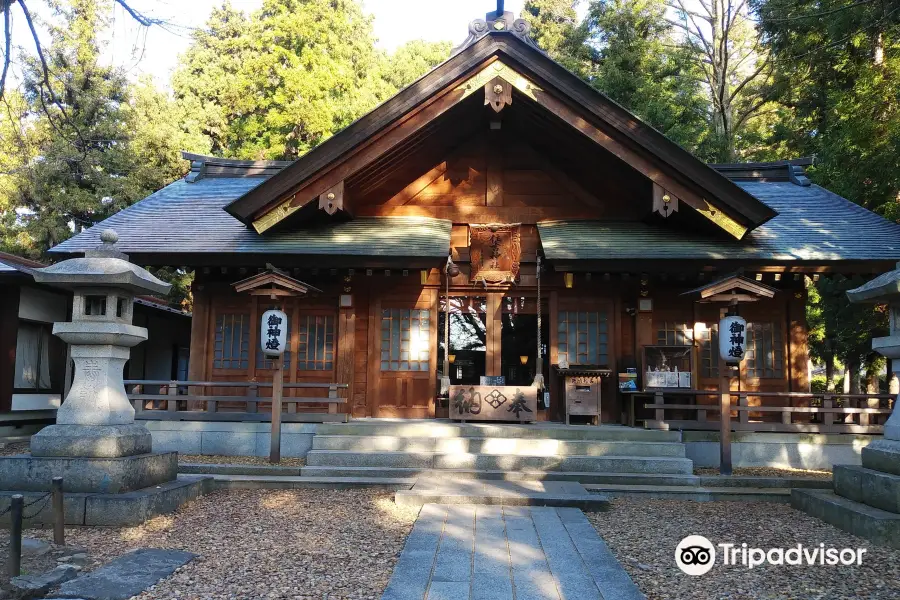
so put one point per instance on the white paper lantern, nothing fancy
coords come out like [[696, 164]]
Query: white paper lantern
[[273, 330], [732, 339]]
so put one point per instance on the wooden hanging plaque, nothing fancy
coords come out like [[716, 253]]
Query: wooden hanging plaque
[[495, 252], [493, 403]]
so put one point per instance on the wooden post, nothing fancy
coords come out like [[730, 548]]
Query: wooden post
[[744, 415], [17, 506], [725, 434], [172, 405], [277, 389], [59, 522], [659, 400], [827, 417]]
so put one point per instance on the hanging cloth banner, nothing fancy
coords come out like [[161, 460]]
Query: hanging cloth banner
[[732, 339]]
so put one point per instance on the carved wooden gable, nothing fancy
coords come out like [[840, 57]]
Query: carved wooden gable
[[495, 252]]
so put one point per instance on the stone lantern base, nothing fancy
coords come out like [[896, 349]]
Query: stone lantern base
[[866, 499], [92, 441], [110, 475]]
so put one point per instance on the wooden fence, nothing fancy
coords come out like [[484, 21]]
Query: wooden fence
[[185, 401], [830, 413]]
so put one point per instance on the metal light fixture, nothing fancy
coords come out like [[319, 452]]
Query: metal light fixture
[[523, 359], [570, 280], [451, 358]]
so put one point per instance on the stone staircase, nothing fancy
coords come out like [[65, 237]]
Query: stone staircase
[[865, 501], [418, 449]]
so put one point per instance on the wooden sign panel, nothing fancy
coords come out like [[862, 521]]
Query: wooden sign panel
[[495, 252], [493, 403]]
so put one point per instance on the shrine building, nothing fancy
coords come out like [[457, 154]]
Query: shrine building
[[557, 231]]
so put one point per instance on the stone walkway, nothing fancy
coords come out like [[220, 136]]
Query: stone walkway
[[506, 553]]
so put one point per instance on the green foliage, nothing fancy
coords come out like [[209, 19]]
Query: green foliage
[[841, 330], [839, 66], [277, 83], [636, 64]]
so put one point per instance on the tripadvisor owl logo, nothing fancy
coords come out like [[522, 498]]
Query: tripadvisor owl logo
[[695, 555]]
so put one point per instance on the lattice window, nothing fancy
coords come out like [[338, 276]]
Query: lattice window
[[672, 333], [261, 361], [405, 339], [315, 350], [232, 345], [583, 338], [709, 351], [765, 351]]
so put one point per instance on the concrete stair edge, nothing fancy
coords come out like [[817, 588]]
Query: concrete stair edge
[[879, 526], [868, 486], [691, 493]]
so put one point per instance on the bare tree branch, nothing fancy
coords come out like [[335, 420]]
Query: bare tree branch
[[7, 56]]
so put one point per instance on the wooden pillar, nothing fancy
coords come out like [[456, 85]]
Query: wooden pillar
[[200, 351], [9, 328], [551, 378], [346, 338], [494, 324], [798, 345], [373, 377]]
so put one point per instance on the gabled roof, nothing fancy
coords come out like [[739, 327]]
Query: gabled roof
[[546, 82], [184, 223], [186, 220], [813, 225]]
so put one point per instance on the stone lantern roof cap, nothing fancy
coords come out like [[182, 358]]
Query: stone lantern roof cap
[[103, 267], [884, 288]]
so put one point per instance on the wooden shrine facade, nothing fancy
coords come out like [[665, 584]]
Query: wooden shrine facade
[[497, 158]]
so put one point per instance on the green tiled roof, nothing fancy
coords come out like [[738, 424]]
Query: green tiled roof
[[188, 218], [812, 224]]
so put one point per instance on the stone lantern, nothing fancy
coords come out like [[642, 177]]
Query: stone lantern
[[110, 474], [885, 453], [96, 419], [865, 499]]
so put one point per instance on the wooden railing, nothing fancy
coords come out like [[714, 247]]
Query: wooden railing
[[831, 413], [184, 401]]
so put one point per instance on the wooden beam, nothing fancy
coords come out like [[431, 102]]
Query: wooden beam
[[357, 160], [494, 190], [416, 187], [641, 164]]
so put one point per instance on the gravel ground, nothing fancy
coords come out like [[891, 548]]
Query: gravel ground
[[8, 449], [239, 460], [643, 535], [768, 472], [298, 544]]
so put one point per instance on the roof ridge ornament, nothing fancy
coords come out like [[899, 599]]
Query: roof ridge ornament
[[498, 21]]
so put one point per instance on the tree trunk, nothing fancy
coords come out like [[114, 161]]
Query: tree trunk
[[829, 373], [853, 369]]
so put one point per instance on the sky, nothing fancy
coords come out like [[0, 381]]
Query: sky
[[154, 51]]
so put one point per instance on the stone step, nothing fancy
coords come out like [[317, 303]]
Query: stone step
[[238, 469], [502, 493], [879, 526], [693, 493], [255, 482], [496, 445], [430, 460], [445, 429], [881, 490], [498, 475]]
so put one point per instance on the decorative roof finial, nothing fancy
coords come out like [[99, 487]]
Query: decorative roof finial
[[499, 21], [107, 249]]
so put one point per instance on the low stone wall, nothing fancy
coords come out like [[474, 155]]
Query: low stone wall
[[792, 450], [229, 439]]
